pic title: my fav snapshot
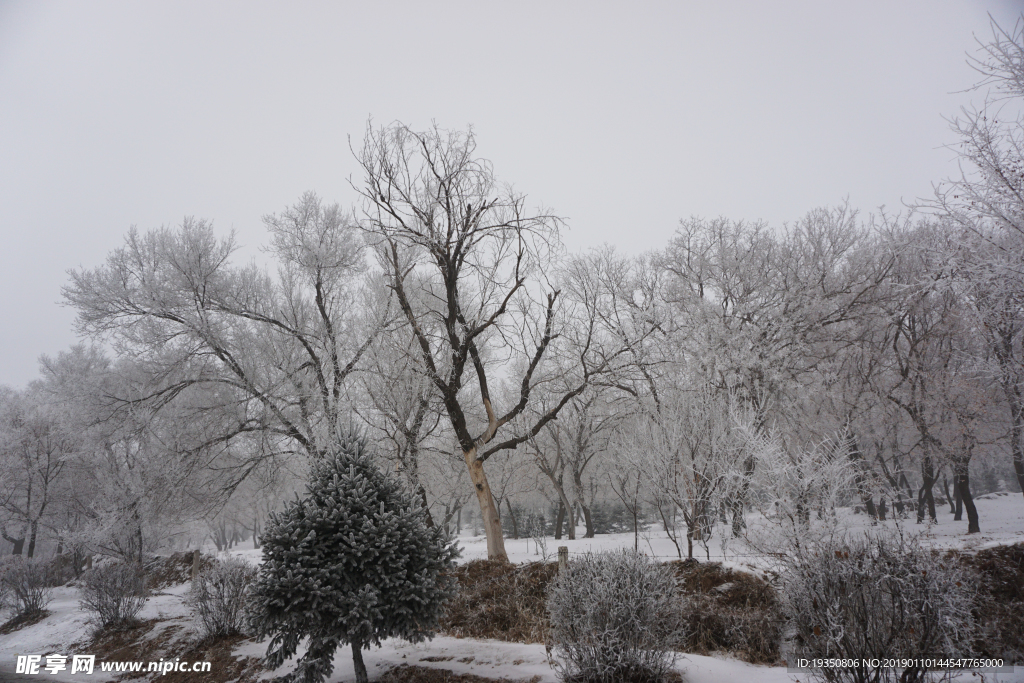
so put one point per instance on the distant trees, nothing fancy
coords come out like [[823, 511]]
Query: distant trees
[[986, 204], [36, 442], [473, 334], [759, 311]]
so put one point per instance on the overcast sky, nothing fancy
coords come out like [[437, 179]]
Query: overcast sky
[[623, 117]]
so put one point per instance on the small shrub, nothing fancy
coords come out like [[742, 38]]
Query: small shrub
[[612, 618], [115, 593], [871, 598], [219, 594], [26, 585]]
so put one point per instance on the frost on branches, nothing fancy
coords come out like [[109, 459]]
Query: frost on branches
[[859, 599], [352, 562]]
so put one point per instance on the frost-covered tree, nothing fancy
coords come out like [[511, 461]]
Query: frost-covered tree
[[688, 456], [352, 562], [987, 204], [273, 355], [761, 308]]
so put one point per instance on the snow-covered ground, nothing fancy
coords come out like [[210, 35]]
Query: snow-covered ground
[[66, 631], [1001, 515]]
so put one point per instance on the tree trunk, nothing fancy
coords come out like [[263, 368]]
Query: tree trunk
[[963, 484], [588, 520], [34, 529], [636, 531], [357, 661], [949, 498], [563, 506], [739, 522], [488, 513], [426, 507], [1016, 432], [924, 494], [512, 518], [883, 505], [670, 530], [958, 502]]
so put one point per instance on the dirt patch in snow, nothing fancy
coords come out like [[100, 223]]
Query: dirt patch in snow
[[145, 642], [421, 674], [176, 569], [21, 621]]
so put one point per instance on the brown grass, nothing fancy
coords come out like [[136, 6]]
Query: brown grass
[[508, 602], [999, 607], [137, 644], [500, 600], [22, 620], [729, 610], [423, 674], [164, 572]]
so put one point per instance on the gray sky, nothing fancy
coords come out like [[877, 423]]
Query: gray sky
[[623, 117]]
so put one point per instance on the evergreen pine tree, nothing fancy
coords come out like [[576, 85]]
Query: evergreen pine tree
[[353, 562]]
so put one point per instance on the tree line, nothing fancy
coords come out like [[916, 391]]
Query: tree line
[[730, 370]]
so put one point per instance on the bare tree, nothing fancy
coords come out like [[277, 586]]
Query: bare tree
[[687, 453], [402, 406], [468, 265]]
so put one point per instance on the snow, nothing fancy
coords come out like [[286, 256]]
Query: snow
[[66, 629], [1001, 515], [498, 659]]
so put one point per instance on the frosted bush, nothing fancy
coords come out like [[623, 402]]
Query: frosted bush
[[613, 616], [115, 593], [219, 595], [876, 598], [25, 586]]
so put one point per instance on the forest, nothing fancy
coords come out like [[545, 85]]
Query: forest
[[282, 455], [839, 359]]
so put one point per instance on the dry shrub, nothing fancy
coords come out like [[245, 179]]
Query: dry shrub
[[219, 597], [26, 586], [500, 600], [864, 598], [115, 593], [1000, 601], [729, 610]]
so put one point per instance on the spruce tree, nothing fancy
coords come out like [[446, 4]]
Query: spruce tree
[[353, 562]]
